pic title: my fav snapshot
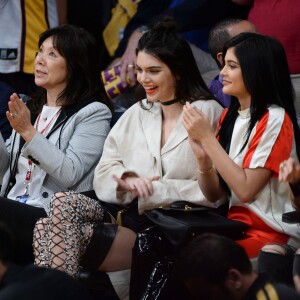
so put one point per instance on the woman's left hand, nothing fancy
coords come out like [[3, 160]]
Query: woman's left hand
[[139, 187], [19, 117], [196, 124]]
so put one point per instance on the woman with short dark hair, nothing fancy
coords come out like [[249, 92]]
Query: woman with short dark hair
[[58, 135]]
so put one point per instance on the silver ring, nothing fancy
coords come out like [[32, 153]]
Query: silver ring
[[130, 65], [281, 166], [13, 115]]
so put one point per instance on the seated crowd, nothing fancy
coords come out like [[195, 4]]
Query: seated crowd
[[69, 176]]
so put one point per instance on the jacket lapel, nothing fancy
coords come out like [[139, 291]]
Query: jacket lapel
[[178, 135], [151, 123]]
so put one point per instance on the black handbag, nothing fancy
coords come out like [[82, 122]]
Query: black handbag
[[180, 222]]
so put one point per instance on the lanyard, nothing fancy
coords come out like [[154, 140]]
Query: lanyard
[[28, 175], [48, 124]]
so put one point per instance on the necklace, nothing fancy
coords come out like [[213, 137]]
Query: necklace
[[48, 124], [170, 102]]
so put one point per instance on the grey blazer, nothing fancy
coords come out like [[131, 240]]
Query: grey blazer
[[68, 157]]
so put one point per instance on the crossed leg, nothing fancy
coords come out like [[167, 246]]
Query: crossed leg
[[61, 239]]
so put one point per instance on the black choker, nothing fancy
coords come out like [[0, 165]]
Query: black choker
[[170, 102]]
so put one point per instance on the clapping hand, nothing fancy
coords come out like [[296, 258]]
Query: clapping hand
[[19, 117], [196, 123], [198, 127]]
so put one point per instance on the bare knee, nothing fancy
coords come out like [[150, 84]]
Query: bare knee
[[59, 203], [58, 199], [65, 200], [40, 225], [119, 256], [274, 248]]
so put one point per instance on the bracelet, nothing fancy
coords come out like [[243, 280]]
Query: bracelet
[[205, 171]]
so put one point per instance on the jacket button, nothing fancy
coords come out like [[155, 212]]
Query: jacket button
[[45, 195]]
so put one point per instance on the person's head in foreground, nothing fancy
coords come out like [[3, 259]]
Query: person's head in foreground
[[215, 268]]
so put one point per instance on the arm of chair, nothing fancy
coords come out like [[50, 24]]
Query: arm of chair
[[293, 217]]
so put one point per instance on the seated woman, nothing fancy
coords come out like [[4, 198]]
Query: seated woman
[[58, 136], [255, 133], [146, 158], [282, 262]]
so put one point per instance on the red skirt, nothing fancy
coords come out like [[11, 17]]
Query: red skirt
[[258, 233]]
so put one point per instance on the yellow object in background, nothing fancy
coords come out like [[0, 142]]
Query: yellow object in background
[[112, 82], [121, 15]]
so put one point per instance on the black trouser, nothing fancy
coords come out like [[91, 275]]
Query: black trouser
[[20, 219], [279, 267]]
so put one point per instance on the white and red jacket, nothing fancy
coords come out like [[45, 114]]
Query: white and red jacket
[[271, 141]]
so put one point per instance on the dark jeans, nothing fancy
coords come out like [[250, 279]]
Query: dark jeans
[[20, 219], [278, 267]]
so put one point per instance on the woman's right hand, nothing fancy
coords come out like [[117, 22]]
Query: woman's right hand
[[196, 124], [19, 118], [289, 171], [139, 187]]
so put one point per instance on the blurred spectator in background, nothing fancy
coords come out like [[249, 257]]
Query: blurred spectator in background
[[193, 18], [123, 22], [220, 33], [188, 14], [21, 23], [280, 19], [92, 15]]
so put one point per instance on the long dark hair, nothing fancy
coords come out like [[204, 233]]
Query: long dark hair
[[80, 50], [267, 79], [167, 45]]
